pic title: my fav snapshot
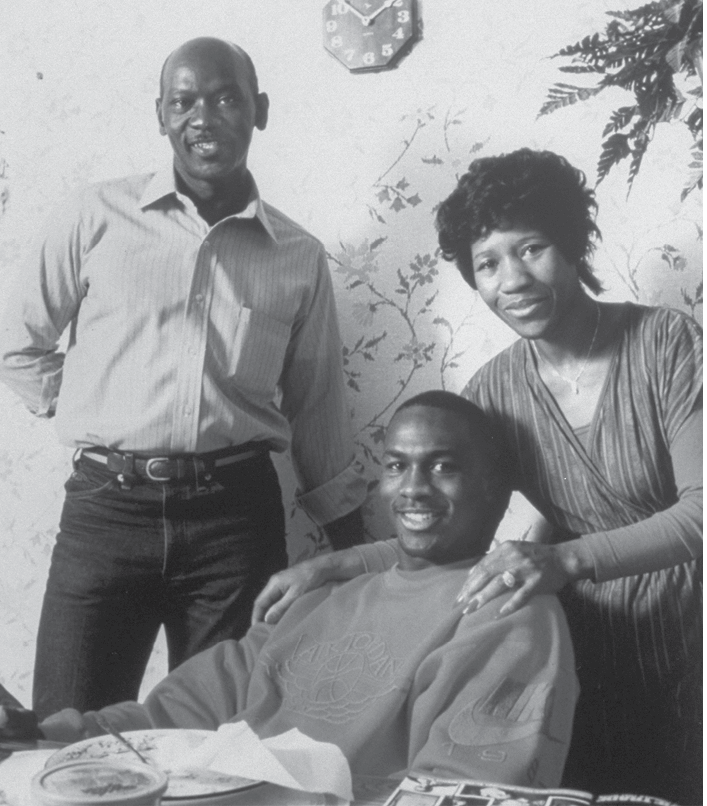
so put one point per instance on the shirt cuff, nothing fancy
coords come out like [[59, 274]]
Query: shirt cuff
[[336, 498]]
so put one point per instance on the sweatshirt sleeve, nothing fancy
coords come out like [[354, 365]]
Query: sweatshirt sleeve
[[498, 704], [203, 693]]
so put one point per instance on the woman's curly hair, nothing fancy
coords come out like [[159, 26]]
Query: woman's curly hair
[[536, 189]]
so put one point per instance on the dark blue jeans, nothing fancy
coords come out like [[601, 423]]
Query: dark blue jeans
[[128, 561]]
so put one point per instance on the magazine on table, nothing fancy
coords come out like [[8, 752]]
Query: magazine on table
[[421, 790]]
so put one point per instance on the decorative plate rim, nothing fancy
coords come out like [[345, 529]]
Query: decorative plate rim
[[58, 757]]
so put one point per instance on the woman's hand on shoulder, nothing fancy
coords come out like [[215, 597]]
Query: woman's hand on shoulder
[[286, 586], [528, 569]]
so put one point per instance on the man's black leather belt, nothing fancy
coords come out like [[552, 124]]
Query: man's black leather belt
[[170, 468]]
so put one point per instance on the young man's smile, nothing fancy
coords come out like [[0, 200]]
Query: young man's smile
[[434, 486]]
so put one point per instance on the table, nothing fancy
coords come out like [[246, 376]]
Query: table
[[368, 791]]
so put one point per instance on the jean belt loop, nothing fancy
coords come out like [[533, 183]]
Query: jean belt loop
[[76, 458], [127, 477], [197, 465]]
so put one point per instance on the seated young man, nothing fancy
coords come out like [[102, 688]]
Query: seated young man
[[381, 665]]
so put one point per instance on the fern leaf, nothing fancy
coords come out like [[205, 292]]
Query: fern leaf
[[694, 122], [675, 57], [619, 119], [671, 111], [648, 12], [636, 158], [673, 12], [640, 51], [614, 149], [694, 177], [586, 46], [565, 95], [581, 68]]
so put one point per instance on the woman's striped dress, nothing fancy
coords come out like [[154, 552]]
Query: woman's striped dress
[[637, 637]]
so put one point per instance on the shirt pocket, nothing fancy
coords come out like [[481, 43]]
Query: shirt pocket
[[259, 347]]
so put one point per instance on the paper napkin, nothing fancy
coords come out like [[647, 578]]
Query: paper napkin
[[291, 759], [16, 773]]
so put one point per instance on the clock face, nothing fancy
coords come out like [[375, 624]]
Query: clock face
[[368, 34]]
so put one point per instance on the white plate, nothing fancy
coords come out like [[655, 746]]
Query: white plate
[[158, 746]]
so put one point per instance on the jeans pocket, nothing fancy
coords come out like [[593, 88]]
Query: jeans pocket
[[84, 483]]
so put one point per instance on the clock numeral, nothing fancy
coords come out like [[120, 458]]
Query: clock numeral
[[367, 46]]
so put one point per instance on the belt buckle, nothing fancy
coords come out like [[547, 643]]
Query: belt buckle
[[148, 468]]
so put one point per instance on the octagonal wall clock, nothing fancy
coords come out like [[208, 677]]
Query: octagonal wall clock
[[368, 34]]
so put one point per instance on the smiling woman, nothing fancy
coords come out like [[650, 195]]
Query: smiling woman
[[601, 407], [526, 281]]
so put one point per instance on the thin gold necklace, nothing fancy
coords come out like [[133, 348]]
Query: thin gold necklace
[[573, 384]]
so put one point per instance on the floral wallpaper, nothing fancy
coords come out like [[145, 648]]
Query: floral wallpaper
[[361, 161]]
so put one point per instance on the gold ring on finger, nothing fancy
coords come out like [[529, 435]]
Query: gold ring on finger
[[509, 580]]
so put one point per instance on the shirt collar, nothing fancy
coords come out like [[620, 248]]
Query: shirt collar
[[163, 184]]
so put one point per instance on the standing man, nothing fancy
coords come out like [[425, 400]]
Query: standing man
[[203, 335]]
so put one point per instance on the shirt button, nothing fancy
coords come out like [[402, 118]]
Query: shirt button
[[199, 298], [187, 412]]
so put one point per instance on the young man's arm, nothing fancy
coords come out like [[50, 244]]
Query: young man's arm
[[203, 693]]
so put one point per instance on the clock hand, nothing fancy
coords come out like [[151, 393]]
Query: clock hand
[[371, 17], [361, 17]]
